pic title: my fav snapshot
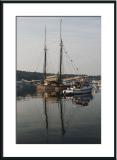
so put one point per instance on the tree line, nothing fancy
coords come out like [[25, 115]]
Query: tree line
[[39, 76]]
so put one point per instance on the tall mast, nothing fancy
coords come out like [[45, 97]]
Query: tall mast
[[61, 52], [45, 56]]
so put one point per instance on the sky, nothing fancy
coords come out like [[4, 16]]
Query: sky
[[81, 40]]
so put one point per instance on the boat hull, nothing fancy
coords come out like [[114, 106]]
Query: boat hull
[[46, 88], [85, 90]]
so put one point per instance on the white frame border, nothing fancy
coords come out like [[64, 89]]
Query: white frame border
[[106, 11]]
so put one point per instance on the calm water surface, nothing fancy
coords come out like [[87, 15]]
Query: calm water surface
[[49, 119]]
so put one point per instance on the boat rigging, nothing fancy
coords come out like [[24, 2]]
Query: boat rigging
[[55, 82]]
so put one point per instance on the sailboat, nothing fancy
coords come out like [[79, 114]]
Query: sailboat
[[55, 82]]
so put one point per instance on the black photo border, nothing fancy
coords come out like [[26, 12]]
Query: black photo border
[[2, 81]]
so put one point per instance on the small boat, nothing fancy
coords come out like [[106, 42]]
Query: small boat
[[74, 90]]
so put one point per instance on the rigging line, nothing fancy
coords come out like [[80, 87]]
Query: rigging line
[[76, 70], [67, 62], [69, 68], [74, 66], [69, 57], [71, 62]]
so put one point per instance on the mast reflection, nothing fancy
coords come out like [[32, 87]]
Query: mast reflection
[[61, 116], [46, 115], [54, 97]]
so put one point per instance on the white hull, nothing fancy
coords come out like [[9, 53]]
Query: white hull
[[83, 90]]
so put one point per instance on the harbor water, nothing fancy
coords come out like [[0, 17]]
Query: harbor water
[[51, 119]]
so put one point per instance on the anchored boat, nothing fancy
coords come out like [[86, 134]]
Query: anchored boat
[[52, 83], [74, 91], [83, 86], [55, 82]]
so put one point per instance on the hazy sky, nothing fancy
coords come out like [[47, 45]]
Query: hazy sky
[[81, 38]]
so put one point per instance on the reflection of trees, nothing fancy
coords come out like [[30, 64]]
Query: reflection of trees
[[23, 90]]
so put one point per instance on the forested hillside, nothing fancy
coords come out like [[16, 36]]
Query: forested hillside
[[38, 76]]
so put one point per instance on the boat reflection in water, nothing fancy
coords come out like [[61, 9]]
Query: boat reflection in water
[[50, 118], [82, 100], [55, 97]]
